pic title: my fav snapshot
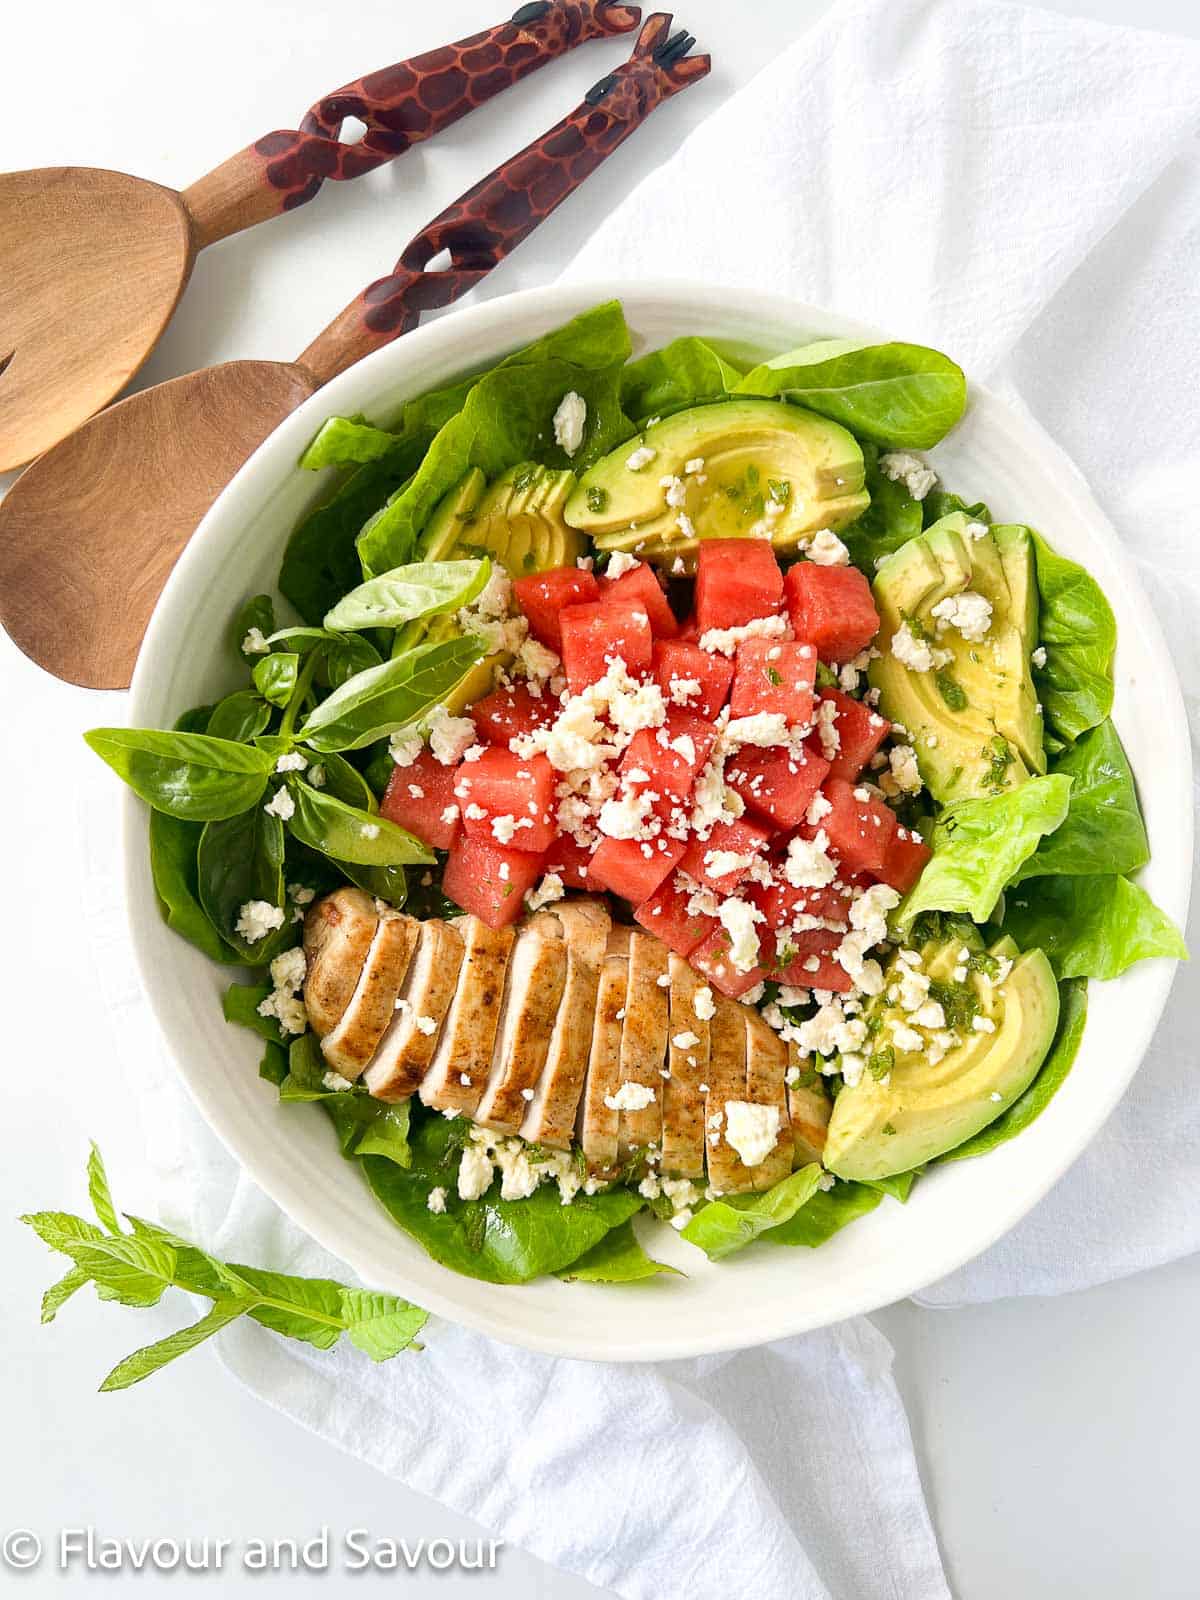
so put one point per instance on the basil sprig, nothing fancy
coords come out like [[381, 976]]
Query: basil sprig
[[395, 695]]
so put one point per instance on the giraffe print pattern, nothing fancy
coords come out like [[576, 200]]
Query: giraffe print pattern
[[415, 99], [488, 222]]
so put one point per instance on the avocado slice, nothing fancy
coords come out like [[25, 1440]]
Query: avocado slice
[[757, 455], [920, 1107], [974, 719]]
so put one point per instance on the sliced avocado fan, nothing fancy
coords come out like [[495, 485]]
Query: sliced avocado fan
[[736, 469], [910, 1105], [972, 715]]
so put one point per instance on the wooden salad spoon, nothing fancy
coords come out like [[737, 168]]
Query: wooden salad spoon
[[92, 263], [90, 532]]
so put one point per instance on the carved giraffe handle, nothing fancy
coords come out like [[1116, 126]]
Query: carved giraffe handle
[[399, 107], [486, 223]]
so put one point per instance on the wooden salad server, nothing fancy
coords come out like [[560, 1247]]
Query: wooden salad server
[[92, 263], [90, 532]]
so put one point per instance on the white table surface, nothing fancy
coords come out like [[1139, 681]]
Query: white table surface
[[1056, 1437]]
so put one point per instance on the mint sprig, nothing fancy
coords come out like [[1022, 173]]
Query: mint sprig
[[137, 1266]]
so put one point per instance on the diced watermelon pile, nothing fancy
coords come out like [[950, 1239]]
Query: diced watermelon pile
[[498, 814]]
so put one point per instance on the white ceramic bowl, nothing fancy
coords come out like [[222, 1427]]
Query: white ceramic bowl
[[764, 1293]]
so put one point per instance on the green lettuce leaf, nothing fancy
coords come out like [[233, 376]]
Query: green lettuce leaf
[[897, 394], [500, 1241], [731, 1223], [825, 1213], [1103, 831], [347, 441], [1072, 1014], [618, 1258], [1079, 635], [508, 417], [686, 372], [892, 518], [978, 845], [1092, 927]]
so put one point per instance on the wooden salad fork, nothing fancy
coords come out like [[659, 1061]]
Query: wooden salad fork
[[90, 532], [92, 263]]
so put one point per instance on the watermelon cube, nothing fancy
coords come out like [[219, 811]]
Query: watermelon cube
[[860, 730], [489, 881], [711, 957], [665, 915], [668, 760], [860, 830], [737, 580], [905, 861], [640, 586], [690, 677], [509, 799], [741, 840], [774, 675], [544, 596], [594, 636], [811, 963], [571, 861], [831, 608], [776, 784], [782, 904], [634, 868], [420, 798], [510, 713]]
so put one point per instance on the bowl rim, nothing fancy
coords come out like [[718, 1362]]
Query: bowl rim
[[550, 306]]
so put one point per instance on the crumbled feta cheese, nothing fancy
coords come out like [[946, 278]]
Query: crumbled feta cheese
[[750, 1130], [436, 1201], [641, 457], [916, 654], [764, 728], [681, 690], [808, 864], [827, 550], [738, 917], [280, 805], [630, 1097], [703, 1004], [569, 420], [619, 563], [474, 1172], [724, 641], [977, 530], [695, 465], [676, 492], [686, 1040], [902, 759], [549, 890], [370, 830], [685, 525], [969, 612], [983, 1025], [292, 761], [256, 919], [335, 1083], [901, 467], [403, 747], [449, 737], [426, 1025], [255, 643], [1039, 656]]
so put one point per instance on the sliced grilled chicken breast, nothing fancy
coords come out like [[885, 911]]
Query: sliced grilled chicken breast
[[809, 1108], [350, 1044], [406, 1049], [687, 1062], [533, 987], [550, 1117], [458, 1074], [338, 930], [644, 1041], [766, 1069], [598, 1122], [726, 1081]]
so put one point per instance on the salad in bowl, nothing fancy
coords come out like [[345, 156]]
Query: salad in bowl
[[652, 790]]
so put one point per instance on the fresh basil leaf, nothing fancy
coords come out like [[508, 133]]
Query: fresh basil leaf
[[978, 846], [348, 833], [307, 1067], [241, 859], [275, 677], [500, 1241], [1027, 1108], [384, 699], [342, 654], [892, 518], [258, 613], [825, 1213], [687, 372], [273, 1063], [732, 1222], [241, 716], [153, 1357], [344, 441], [378, 1324], [345, 782], [1078, 632], [422, 589], [507, 416], [617, 1258], [173, 847], [385, 883], [896, 394], [240, 1003], [1092, 927], [187, 775], [1103, 831]]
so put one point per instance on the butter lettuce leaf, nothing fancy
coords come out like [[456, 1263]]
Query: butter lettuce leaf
[[735, 1220], [1078, 632], [978, 846], [892, 518], [346, 441], [902, 395], [618, 1258], [1103, 831], [686, 372], [1028, 1107], [824, 1213], [1091, 927]]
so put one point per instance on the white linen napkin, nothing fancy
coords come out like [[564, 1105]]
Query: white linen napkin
[[943, 169]]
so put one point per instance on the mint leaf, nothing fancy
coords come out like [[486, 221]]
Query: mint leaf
[[57, 1295], [379, 1324], [98, 1193], [155, 1356]]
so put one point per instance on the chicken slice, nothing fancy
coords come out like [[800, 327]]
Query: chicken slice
[[459, 1071], [406, 1049], [349, 1046], [644, 1042], [598, 1122], [726, 1081], [766, 1071], [533, 987], [809, 1107], [683, 1103], [550, 1118], [338, 930]]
